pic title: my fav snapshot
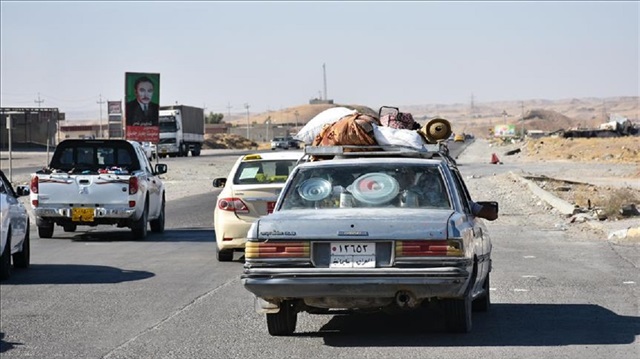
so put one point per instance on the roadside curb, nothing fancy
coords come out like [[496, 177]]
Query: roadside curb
[[569, 209]]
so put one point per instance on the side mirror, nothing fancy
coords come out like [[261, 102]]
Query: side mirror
[[219, 182], [22, 191], [160, 168], [489, 210]]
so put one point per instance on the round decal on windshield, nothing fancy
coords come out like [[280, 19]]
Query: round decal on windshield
[[375, 188], [315, 189]]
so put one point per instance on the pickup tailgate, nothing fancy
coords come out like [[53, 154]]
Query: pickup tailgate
[[102, 189]]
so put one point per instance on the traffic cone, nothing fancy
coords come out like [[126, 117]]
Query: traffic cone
[[494, 159]]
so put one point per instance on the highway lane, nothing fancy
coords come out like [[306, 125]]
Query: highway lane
[[100, 294]]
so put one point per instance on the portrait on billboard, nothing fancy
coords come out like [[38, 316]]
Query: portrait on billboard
[[142, 106]]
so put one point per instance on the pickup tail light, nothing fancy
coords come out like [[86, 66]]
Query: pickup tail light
[[429, 248], [269, 249], [133, 185], [34, 184], [232, 205]]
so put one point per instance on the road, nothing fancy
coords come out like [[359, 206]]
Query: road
[[99, 294]]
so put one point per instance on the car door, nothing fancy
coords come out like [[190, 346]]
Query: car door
[[16, 213], [483, 245]]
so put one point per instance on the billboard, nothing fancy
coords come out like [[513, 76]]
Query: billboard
[[142, 96], [114, 107], [504, 131]]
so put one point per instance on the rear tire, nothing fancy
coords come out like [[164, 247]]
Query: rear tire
[[458, 312], [70, 227], [482, 303], [139, 228], [225, 255], [284, 322], [45, 231], [157, 225], [5, 259], [22, 259]]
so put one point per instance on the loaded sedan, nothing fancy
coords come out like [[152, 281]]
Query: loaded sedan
[[371, 231]]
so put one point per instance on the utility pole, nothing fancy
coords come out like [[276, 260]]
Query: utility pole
[[246, 106], [229, 109], [39, 102], [100, 102], [296, 114], [522, 119]]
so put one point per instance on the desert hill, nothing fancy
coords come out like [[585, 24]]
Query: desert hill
[[477, 118]]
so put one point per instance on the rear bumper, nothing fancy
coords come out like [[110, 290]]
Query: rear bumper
[[233, 229], [98, 212], [276, 284]]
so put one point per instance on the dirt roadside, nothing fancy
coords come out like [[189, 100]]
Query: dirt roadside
[[601, 179]]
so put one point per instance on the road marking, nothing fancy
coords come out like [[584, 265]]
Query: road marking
[[529, 276], [520, 290], [629, 282], [528, 257]]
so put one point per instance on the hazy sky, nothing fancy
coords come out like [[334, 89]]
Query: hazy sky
[[271, 55]]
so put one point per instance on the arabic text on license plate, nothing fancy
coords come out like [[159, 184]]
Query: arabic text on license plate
[[353, 255], [82, 214]]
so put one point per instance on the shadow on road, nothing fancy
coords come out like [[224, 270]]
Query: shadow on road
[[199, 234], [5, 346], [74, 274], [503, 325]]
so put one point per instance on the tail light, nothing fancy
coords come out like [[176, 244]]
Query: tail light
[[34, 184], [232, 205], [262, 250], [133, 185], [425, 248]]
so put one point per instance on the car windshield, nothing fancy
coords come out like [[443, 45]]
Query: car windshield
[[372, 186], [264, 171]]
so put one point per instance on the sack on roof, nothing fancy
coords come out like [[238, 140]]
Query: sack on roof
[[354, 130], [309, 132], [402, 120]]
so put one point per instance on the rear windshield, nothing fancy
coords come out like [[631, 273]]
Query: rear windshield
[[372, 186], [94, 157], [267, 171]]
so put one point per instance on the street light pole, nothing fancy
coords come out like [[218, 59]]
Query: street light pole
[[296, 114], [100, 102]]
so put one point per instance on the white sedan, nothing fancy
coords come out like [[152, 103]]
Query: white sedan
[[14, 227], [250, 191]]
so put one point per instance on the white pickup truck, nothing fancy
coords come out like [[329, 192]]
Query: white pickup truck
[[99, 182]]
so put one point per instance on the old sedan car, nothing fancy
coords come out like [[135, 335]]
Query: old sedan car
[[250, 191], [14, 228], [370, 231]]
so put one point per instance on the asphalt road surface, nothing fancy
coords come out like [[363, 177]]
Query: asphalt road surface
[[99, 294]]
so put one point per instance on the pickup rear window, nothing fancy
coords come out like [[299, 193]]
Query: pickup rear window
[[80, 157]]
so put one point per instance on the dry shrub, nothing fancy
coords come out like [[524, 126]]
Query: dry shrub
[[617, 199]]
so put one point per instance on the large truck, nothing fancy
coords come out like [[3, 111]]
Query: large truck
[[181, 131]]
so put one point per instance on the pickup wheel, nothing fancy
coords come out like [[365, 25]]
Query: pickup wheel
[[157, 225], [225, 255], [284, 322], [195, 152], [70, 227], [5, 258], [45, 231], [139, 227], [22, 259]]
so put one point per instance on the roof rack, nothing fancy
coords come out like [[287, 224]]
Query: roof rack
[[428, 151]]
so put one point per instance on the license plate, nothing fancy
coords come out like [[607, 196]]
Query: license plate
[[82, 214], [353, 255]]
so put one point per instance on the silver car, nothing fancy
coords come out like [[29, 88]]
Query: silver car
[[370, 231], [14, 228]]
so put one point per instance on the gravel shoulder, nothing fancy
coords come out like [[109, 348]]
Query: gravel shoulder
[[521, 208]]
